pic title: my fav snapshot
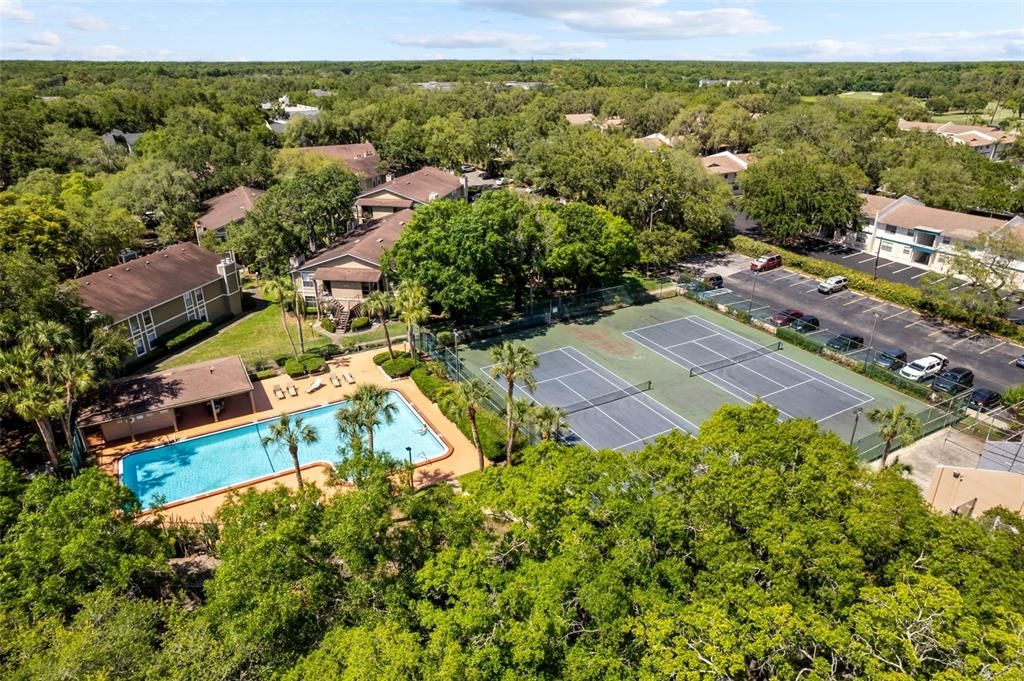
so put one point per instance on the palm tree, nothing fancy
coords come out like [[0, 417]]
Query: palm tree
[[48, 337], [373, 406], [378, 304], [895, 425], [550, 420], [471, 395], [76, 373], [513, 363], [291, 434], [33, 400], [412, 306], [278, 289]]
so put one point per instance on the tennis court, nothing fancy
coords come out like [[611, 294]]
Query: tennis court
[[746, 370], [604, 411]]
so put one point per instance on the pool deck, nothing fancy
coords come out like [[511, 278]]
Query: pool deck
[[460, 458]]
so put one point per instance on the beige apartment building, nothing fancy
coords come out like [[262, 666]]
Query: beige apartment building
[[153, 295], [408, 191]]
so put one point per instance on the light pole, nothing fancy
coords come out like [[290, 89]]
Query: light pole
[[856, 419], [871, 341], [458, 362], [878, 254], [753, 288]]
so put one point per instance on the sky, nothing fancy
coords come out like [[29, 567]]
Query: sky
[[345, 30]]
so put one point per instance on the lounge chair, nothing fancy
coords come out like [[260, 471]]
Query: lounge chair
[[278, 393], [317, 384], [335, 381], [292, 390], [349, 378]]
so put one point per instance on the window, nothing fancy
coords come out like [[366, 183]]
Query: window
[[307, 279], [945, 240], [368, 288], [890, 229], [195, 304], [886, 247], [142, 332], [906, 250]]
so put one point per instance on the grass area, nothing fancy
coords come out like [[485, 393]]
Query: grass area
[[985, 116], [861, 95]]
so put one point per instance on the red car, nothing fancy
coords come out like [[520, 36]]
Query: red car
[[785, 317], [766, 262]]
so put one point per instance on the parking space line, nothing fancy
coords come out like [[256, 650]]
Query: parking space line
[[798, 282], [919, 321], [917, 276], [956, 287], [908, 267], [811, 290], [998, 345], [936, 332], [941, 279], [787, 275], [886, 264], [846, 257], [861, 262], [973, 335], [872, 309], [856, 299], [893, 316]]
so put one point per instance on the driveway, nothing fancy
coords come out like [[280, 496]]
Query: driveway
[[991, 359]]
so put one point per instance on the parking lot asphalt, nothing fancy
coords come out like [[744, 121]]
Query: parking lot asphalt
[[990, 358]]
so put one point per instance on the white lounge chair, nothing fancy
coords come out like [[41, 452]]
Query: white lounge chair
[[317, 384]]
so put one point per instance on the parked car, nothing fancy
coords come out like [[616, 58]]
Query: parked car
[[983, 398], [924, 368], [706, 282], [785, 317], [1020, 361], [500, 182], [845, 342], [467, 168], [805, 324], [892, 359], [766, 262], [833, 284], [953, 381]]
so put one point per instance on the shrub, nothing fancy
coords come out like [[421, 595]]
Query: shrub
[[328, 324], [445, 339], [382, 357], [918, 390], [263, 374], [186, 334], [313, 364], [798, 339], [1013, 395], [429, 384], [359, 323], [399, 366], [294, 368]]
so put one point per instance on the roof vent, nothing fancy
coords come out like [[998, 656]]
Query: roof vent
[[147, 262], [380, 240], [110, 274], [127, 269]]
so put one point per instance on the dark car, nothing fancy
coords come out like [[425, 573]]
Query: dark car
[[1020, 361], [892, 359], [785, 317], [953, 381], [706, 282], [805, 324], [845, 342], [983, 398]]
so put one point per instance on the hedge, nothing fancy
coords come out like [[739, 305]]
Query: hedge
[[918, 390], [382, 357], [901, 294], [429, 384], [798, 339], [328, 324], [263, 374], [490, 426], [185, 334], [399, 366], [306, 364], [359, 323]]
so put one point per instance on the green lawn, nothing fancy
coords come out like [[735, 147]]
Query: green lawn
[[861, 95], [260, 337], [968, 119]]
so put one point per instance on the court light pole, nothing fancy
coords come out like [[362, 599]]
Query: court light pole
[[753, 289], [871, 341], [458, 362], [856, 419]]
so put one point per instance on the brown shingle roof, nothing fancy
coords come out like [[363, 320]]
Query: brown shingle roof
[[874, 203], [579, 118], [221, 211], [360, 158], [972, 135], [725, 162], [352, 274], [366, 242], [180, 387], [125, 290], [421, 186]]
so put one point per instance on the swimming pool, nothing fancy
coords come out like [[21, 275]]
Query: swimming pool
[[230, 457]]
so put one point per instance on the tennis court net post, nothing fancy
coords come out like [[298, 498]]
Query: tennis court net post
[[619, 394], [736, 359]]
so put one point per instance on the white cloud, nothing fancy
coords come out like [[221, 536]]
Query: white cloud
[[12, 9], [566, 48], [469, 40], [46, 38], [940, 46], [637, 19], [88, 22], [103, 52]]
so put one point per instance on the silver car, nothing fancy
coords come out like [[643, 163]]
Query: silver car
[[833, 285]]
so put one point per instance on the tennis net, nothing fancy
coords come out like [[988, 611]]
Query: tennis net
[[736, 359], [607, 397]]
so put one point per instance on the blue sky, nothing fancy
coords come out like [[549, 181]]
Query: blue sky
[[854, 30]]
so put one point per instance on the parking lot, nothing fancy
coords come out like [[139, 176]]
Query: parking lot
[[992, 359]]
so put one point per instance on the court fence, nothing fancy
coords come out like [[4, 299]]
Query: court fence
[[932, 418]]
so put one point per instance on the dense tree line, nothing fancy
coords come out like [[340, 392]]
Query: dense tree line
[[755, 550]]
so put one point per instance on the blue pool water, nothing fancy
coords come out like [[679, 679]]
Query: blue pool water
[[230, 457]]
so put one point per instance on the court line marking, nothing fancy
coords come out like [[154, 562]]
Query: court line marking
[[631, 397], [606, 414], [558, 378], [742, 366], [695, 340], [634, 442], [782, 390], [842, 411], [793, 364]]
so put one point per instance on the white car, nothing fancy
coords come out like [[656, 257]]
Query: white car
[[833, 285], [924, 368]]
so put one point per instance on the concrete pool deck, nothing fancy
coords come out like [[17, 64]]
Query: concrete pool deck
[[460, 458]]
